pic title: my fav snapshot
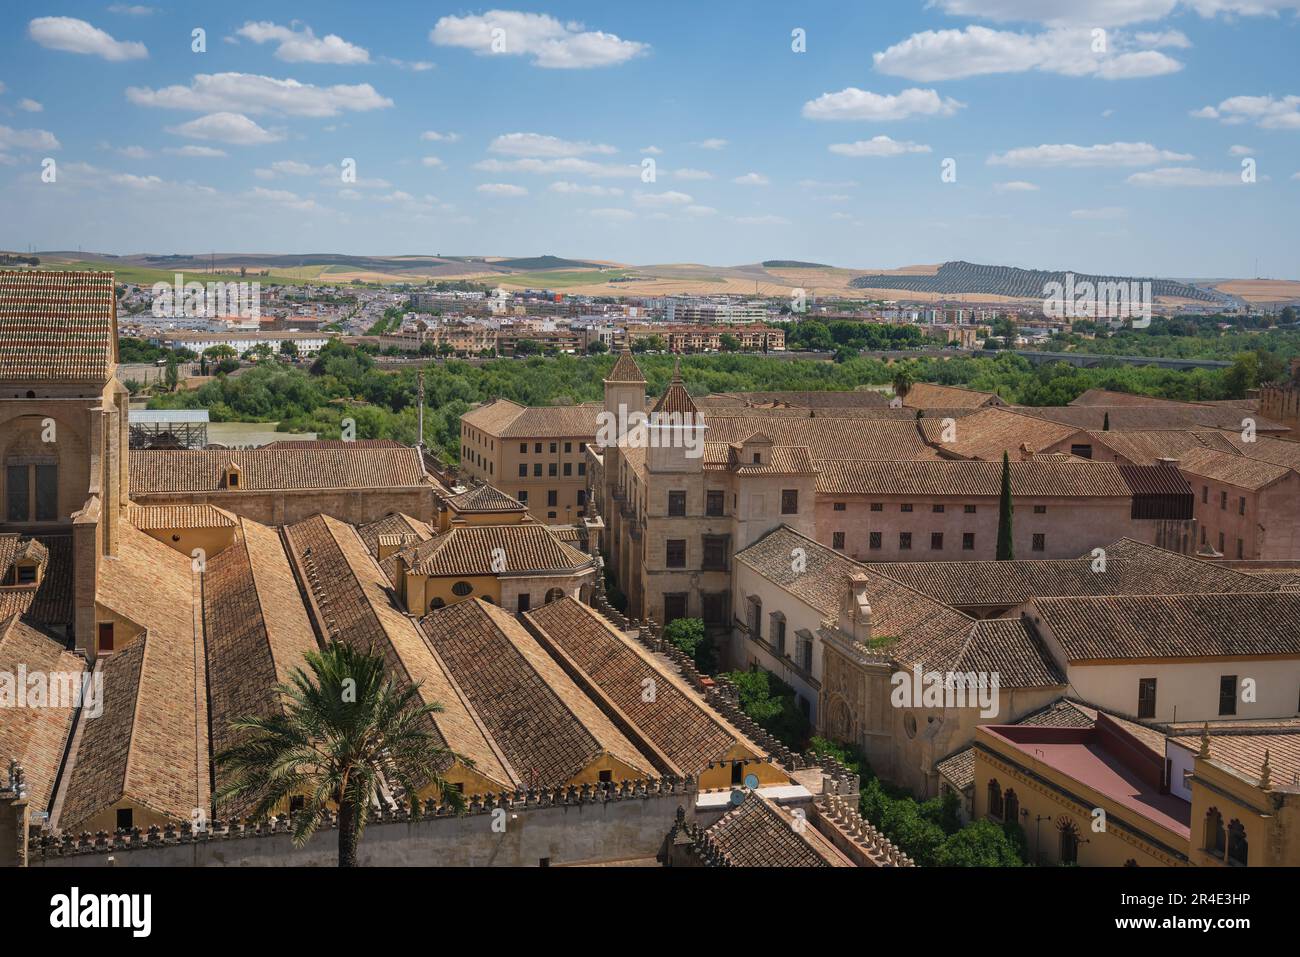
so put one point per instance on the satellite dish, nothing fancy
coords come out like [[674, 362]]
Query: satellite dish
[[738, 797], [751, 781]]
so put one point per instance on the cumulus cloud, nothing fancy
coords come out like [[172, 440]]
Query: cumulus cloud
[[252, 93], [233, 128], [563, 186], [686, 172], [77, 36], [612, 214], [1240, 150], [29, 105], [878, 146], [1015, 186], [11, 139], [191, 150], [501, 189], [764, 220], [666, 198], [538, 144], [549, 42], [854, 104], [714, 143], [1100, 154], [977, 51], [282, 197], [1104, 13], [561, 166], [1185, 176], [1267, 112], [433, 136], [433, 162], [302, 45], [752, 179]]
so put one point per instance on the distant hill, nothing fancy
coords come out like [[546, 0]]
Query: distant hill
[[963, 278], [792, 264], [543, 262]]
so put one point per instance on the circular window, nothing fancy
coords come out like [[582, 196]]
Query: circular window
[[909, 724], [461, 589], [436, 604]]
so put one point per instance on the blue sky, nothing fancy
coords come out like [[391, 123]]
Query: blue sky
[[1101, 135]]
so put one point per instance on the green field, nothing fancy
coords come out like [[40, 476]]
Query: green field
[[147, 276], [559, 278]]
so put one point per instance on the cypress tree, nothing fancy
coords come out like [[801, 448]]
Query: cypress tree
[[1105, 423], [1006, 550]]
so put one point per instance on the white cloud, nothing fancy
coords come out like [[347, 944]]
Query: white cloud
[[693, 174], [976, 51], [202, 152], [77, 36], [1240, 151], [854, 104], [550, 43], [502, 189], [878, 146], [701, 211], [713, 143], [282, 197], [415, 66], [1282, 113], [666, 198], [1015, 186], [292, 168], [538, 144], [133, 152], [233, 128], [563, 186], [652, 151], [302, 45], [612, 214], [1184, 176], [135, 182], [251, 93], [433, 162], [562, 166], [31, 106], [1100, 213], [433, 136], [1102, 13], [752, 179], [767, 220], [831, 184], [11, 139], [131, 10], [1101, 154]]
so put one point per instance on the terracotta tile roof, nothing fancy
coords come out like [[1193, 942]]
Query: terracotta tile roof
[[613, 671], [920, 628], [1240, 746], [625, 369], [257, 633], [1136, 570], [351, 603], [306, 444], [1009, 648], [150, 746], [1071, 478], [548, 729], [57, 326], [484, 498], [784, 460], [36, 737], [676, 400], [15, 548], [1146, 447], [49, 605], [470, 549], [927, 395], [1277, 451], [203, 470], [1180, 415], [838, 401], [158, 517], [759, 834], [988, 433], [403, 529], [827, 437], [1092, 397], [1138, 627], [1238, 470], [505, 419]]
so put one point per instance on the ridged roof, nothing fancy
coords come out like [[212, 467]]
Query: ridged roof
[[625, 369], [485, 498], [203, 470], [1041, 477], [57, 326], [470, 550], [757, 834], [676, 400]]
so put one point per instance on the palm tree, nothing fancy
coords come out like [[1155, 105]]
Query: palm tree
[[340, 731]]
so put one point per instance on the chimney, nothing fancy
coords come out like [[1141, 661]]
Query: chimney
[[855, 608]]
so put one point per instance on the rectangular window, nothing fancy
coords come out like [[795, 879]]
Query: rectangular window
[[969, 509], [538, 448], [523, 497], [936, 541], [674, 608], [675, 553], [1228, 695], [523, 470], [837, 541], [968, 541], [552, 498], [840, 506], [568, 447], [715, 553], [1146, 697], [677, 504], [1205, 495], [1220, 543], [125, 819], [1223, 501], [877, 506], [554, 448], [525, 600], [904, 541], [1241, 505], [1040, 509], [582, 468], [552, 470], [874, 540], [1083, 451], [803, 650], [1241, 549], [523, 448], [16, 493], [937, 509], [1040, 542], [537, 470], [778, 632], [568, 469], [905, 508], [105, 636], [714, 503], [582, 497], [789, 501]]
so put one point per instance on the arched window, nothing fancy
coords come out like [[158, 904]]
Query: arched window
[[1215, 837], [1238, 846], [1069, 842], [436, 604], [995, 799], [1012, 805], [555, 594], [461, 589]]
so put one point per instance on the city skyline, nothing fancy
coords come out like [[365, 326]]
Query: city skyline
[[1113, 137]]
